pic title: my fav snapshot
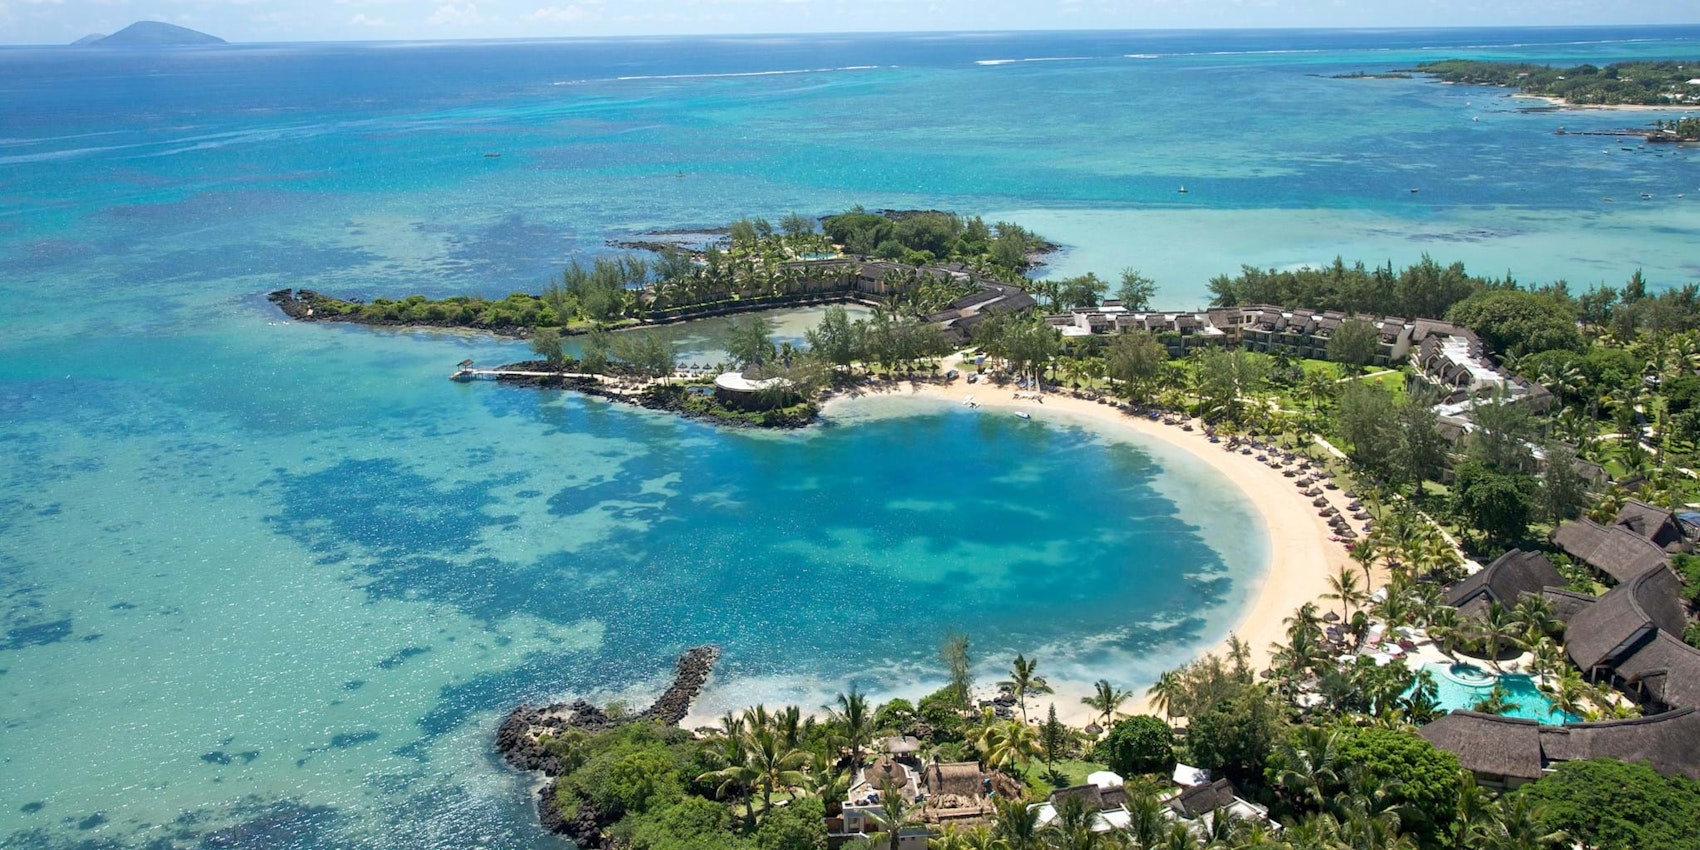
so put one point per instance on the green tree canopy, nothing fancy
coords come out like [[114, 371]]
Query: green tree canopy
[[546, 342], [1517, 322], [1497, 504], [1137, 360], [1136, 290], [1418, 776], [749, 342], [1139, 744], [799, 825], [1613, 805], [1354, 342]]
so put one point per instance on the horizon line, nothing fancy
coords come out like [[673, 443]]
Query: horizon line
[[807, 33]]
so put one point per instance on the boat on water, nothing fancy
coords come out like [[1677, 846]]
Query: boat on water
[[1183, 190], [1024, 414]]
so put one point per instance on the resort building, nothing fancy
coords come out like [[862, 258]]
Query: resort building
[[1179, 332], [1505, 752], [959, 319], [1199, 805], [1449, 357], [1104, 794], [747, 390], [1196, 805], [942, 793], [1513, 575], [1629, 637]]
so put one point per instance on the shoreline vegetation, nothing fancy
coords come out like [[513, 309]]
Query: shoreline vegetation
[[1646, 85], [1652, 83]]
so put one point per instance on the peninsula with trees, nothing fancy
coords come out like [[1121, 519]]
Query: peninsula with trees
[[1647, 83]]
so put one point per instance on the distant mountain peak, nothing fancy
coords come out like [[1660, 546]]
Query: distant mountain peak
[[151, 34]]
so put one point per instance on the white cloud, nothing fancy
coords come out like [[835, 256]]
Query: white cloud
[[363, 20], [456, 15], [569, 14]]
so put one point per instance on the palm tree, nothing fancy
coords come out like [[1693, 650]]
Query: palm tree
[[1363, 554], [827, 782], [1568, 692], [737, 779], [896, 812], [1071, 829], [1012, 745], [1516, 828], [949, 839], [1498, 629], [775, 765], [1106, 701], [1536, 616], [1017, 825], [1146, 817], [1310, 757], [1165, 693], [1344, 587], [1498, 701], [1024, 680], [855, 722]]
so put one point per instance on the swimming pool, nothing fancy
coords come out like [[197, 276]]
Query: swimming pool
[[1460, 686]]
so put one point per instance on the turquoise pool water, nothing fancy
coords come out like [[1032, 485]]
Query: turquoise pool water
[[1456, 693]]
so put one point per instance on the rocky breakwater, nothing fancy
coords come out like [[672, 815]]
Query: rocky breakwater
[[523, 738]]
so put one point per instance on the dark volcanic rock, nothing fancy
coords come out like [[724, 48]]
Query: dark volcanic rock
[[517, 739]]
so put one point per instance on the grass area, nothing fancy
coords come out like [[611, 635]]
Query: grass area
[[1320, 367], [1034, 774], [1392, 382]]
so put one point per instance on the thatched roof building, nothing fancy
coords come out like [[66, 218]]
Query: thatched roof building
[[1508, 751], [1656, 525], [1514, 574], [1613, 550]]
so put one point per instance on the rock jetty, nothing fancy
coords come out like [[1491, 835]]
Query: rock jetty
[[519, 738]]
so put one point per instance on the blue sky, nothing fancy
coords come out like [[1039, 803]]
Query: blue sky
[[58, 21]]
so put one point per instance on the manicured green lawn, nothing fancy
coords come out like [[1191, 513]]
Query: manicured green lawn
[[1320, 367], [1076, 771]]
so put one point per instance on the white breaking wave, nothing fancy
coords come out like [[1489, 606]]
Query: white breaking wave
[[1035, 59]]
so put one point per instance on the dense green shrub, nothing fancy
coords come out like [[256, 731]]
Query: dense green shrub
[[1611, 805], [1140, 744]]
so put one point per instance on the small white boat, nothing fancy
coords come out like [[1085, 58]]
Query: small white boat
[[1023, 414], [1183, 190]]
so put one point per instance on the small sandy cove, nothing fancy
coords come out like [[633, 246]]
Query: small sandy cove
[[1301, 556]]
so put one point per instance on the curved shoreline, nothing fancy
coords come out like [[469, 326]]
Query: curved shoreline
[[1300, 555]]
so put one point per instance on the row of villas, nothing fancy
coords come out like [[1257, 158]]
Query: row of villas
[[1451, 357], [1629, 638]]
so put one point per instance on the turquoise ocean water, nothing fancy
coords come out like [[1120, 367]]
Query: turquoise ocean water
[[270, 585]]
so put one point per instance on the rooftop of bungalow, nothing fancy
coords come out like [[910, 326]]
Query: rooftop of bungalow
[[1195, 805], [1628, 637], [947, 792], [1512, 576], [1509, 751]]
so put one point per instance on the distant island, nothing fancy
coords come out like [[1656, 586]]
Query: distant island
[[1661, 83], [149, 34]]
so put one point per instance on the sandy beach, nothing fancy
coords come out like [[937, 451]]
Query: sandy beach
[[1561, 103]]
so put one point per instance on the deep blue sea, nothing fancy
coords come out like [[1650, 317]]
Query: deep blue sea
[[272, 585]]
